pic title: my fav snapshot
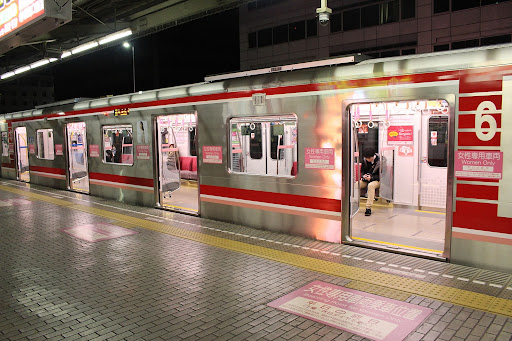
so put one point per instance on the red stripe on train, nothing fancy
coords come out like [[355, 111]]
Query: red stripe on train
[[480, 216], [477, 191], [472, 103], [48, 170], [316, 203], [122, 179], [467, 121], [477, 81], [469, 139]]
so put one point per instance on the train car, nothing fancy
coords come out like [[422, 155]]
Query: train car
[[282, 149]]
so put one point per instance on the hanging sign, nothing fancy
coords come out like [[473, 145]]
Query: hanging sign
[[212, 154], [400, 135], [481, 164]]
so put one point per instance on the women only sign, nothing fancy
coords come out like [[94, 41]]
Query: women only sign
[[481, 164], [371, 316]]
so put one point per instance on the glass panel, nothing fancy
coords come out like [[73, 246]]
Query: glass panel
[[5, 144], [45, 148], [265, 37], [351, 19], [370, 15], [441, 6], [408, 9], [335, 22], [389, 12], [297, 30], [118, 144], [77, 149], [264, 145], [464, 4], [280, 34], [437, 146], [22, 154], [312, 28]]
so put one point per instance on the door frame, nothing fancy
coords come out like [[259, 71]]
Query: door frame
[[68, 161], [17, 154], [347, 167]]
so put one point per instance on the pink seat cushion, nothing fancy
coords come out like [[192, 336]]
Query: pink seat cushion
[[294, 168], [186, 163], [194, 164]]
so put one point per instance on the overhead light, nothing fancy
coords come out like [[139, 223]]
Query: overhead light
[[126, 44], [84, 47], [53, 60], [61, 113], [7, 75], [39, 63], [65, 54], [22, 69], [115, 36]]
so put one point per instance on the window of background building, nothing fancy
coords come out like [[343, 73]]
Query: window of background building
[[492, 2], [265, 37], [442, 47], [503, 39], [311, 28], [408, 9], [253, 40], [280, 34], [391, 53], [458, 5], [389, 12], [352, 19], [297, 30], [465, 44], [335, 22], [408, 52], [441, 6], [370, 15]]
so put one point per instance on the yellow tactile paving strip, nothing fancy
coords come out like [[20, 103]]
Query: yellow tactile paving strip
[[368, 278]]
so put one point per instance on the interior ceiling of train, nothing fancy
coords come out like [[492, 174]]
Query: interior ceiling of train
[[94, 19]]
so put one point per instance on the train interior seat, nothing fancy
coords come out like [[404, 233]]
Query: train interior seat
[[294, 169], [188, 167]]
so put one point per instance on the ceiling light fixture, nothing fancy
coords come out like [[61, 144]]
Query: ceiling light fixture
[[84, 47], [115, 36]]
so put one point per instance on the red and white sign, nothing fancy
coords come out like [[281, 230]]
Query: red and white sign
[[407, 151], [94, 150], [398, 135], [142, 152], [18, 13], [319, 158], [482, 164], [212, 154], [32, 148], [59, 150], [371, 316]]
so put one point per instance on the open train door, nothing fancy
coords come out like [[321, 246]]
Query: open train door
[[78, 172], [176, 143], [356, 166], [22, 165]]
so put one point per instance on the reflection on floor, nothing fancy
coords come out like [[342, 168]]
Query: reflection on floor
[[400, 226], [185, 198], [25, 176], [81, 184]]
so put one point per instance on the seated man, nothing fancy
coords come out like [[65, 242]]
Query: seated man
[[370, 170]]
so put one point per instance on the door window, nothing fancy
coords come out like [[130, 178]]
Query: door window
[[118, 144], [45, 148]]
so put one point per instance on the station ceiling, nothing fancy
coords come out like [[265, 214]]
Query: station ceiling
[[93, 19]]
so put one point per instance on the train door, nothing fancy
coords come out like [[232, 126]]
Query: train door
[[176, 143], [22, 165], [78, 172], [410, 141]]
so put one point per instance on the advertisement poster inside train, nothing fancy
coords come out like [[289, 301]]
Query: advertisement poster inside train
[[371, 316], [400, 135], [480, 164], [319, 158]]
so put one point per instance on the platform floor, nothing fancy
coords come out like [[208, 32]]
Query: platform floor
[[166, 276]]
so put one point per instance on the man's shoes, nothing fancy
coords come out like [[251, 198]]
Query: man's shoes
[[368, 212]]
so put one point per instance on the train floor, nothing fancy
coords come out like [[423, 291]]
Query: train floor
[[76, 267]]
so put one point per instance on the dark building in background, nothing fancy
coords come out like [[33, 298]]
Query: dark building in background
[[275, 32], [27, 92]]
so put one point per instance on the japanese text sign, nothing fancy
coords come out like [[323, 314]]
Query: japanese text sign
[[59, 149], [482, 164], [142, 152], [212, 154], [371, 316], [319, 158], [94, 150]]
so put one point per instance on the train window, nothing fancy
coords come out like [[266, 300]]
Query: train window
[[265, 145], [45, 147], [256, 144], [192, 141], [437, 146], [5, 144], [118, 144]]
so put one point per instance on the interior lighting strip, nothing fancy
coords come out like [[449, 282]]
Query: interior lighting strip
[[95, 43], [28, 67]]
